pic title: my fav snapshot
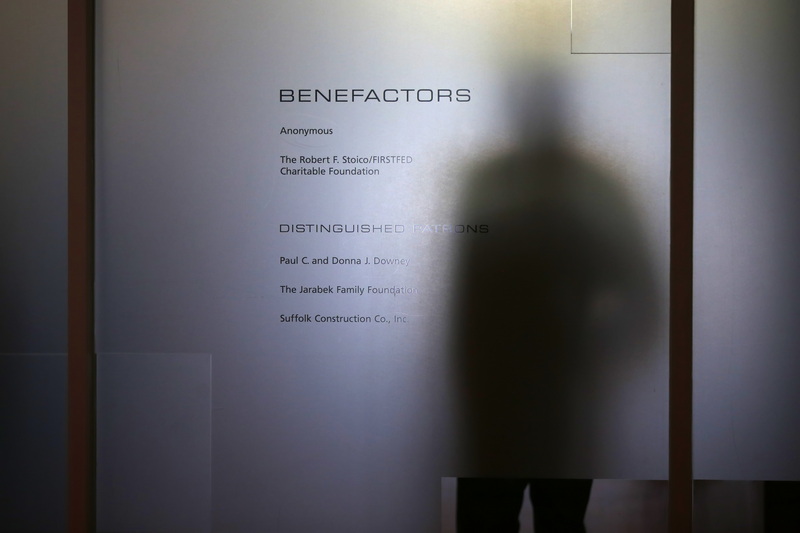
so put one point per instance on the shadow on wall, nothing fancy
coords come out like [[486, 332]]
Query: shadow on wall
[[555, 300]]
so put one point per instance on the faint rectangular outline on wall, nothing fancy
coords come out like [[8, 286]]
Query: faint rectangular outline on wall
[[574, 53], [202, 363]]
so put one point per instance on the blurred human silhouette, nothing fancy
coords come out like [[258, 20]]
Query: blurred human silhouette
[[558, 288]]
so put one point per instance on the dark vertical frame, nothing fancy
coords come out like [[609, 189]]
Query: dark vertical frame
[[681, 254], [80, 266]]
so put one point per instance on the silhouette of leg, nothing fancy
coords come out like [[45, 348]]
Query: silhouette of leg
[[559, 505], [781, 503], [489, 505]]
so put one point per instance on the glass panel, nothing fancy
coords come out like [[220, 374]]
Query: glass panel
[[33, 280], [357, 208], [747, 254]]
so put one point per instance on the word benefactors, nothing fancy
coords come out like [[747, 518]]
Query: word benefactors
[[375, 95]]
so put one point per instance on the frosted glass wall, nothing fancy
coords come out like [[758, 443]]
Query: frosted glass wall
[[294, 201], [747, 230]]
